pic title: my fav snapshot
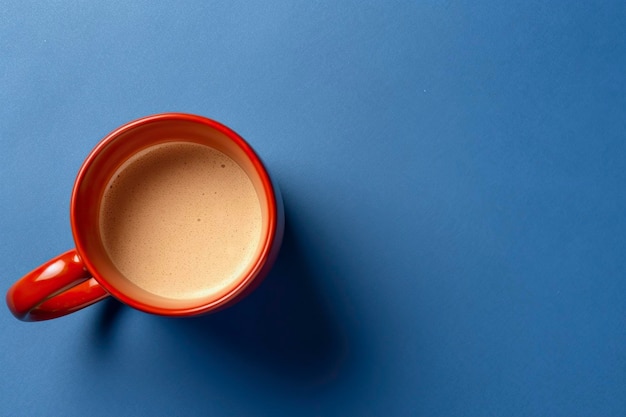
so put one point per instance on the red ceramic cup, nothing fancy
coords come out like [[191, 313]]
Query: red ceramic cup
[[85, 275]]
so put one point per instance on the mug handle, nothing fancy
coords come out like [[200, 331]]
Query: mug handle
[[58, 287]]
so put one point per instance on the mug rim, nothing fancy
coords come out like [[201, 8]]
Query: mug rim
[[267, 241]]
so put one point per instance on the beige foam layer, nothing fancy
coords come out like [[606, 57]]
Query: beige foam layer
[[181, 220]]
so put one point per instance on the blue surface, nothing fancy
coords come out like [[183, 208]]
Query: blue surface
[[454, 178]]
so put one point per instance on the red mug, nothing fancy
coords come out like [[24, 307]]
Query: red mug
[[88, 273]]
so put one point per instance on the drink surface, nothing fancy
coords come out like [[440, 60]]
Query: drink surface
[[181, 220]]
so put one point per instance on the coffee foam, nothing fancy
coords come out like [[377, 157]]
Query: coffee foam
[[181, 220]]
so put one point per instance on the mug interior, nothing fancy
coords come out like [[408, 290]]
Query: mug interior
[[112, 152]]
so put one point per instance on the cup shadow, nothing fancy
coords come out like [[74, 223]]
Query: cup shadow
[[109, 316], [286, 325]]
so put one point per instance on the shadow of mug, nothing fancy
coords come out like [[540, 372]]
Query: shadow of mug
[[286, 326]]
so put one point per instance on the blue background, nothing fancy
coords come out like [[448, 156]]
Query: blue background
[[454, 182]]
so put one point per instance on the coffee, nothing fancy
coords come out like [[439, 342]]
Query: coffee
[[181, 220]]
